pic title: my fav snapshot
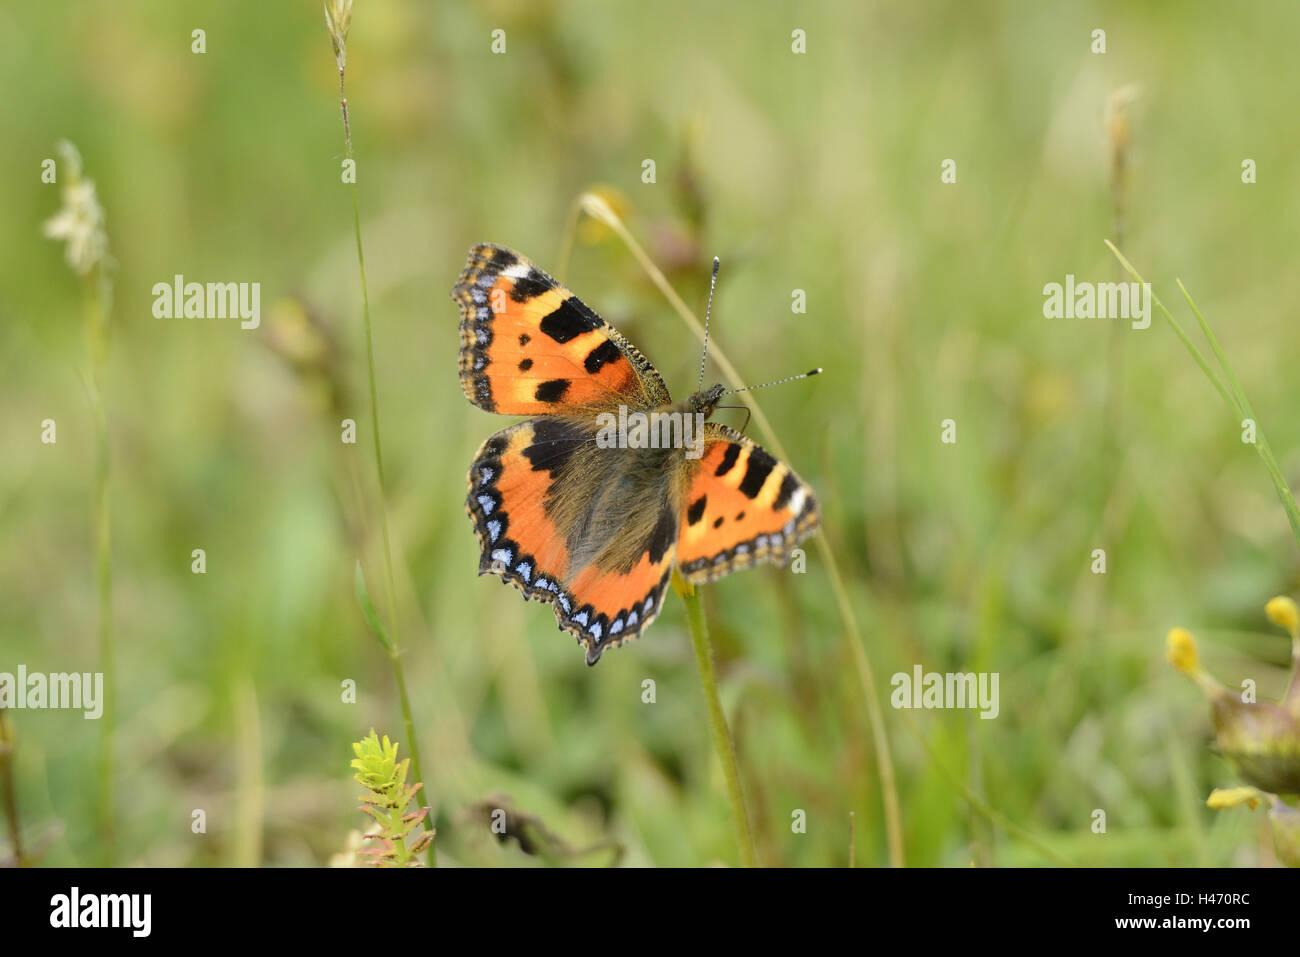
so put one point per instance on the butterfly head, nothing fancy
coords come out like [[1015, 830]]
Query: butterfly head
[[706, 401]]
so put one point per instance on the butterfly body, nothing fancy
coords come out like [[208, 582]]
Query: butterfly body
[[567, 514]]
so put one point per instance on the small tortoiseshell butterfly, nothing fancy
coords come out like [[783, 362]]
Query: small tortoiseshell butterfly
[[592, 527]]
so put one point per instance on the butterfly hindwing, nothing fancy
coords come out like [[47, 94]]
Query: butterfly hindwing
[[517, 539], [560, 528], [528, 346], [742, 506], [612, 606]]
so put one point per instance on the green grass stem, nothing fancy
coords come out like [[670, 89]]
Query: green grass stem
[[722, 740], [390, 642]]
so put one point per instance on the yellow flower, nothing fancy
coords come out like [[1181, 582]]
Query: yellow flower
[[1282, 612], [1221, 798], [1284, 820], [1260, 739], [1180, 650]]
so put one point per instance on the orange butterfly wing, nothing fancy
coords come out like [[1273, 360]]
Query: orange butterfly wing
[[519, 542], [528, 346], [611, 607], [742, 506], [512, 488]]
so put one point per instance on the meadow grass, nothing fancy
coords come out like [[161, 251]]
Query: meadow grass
[[818, 172], [79, 224], [337, 18], [1232, 393], [97, 335]]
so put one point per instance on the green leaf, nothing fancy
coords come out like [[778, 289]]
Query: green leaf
[[371, 616]]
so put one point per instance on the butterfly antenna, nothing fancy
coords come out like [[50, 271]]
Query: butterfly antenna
[[713, 281], [764, 385]]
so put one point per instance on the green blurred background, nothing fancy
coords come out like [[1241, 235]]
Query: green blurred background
[[818, 171]]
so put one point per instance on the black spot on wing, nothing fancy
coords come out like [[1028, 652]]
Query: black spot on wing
[[599, 356], [502, 259], [663, 536], [696, 511], [571, 318], [532, 285], [525, 365], [728, 459], [717, 522], [552, 390], [553, 444], [524, 339], [788, 485], [757, 469]]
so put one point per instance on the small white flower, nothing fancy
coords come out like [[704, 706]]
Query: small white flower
[[80, 221]]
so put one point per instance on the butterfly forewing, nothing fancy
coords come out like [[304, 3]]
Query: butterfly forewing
[[528, 346]]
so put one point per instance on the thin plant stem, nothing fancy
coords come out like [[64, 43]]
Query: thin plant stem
[[1247, 411], [722, 740], [598, 209], [1111, 413], [1173, 323], [393, 645], [81, 223], [10, 793], [876, 718], [97, 294], [567, 238], [1233, 394]]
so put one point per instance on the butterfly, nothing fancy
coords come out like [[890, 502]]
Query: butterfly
[[573, 512]]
